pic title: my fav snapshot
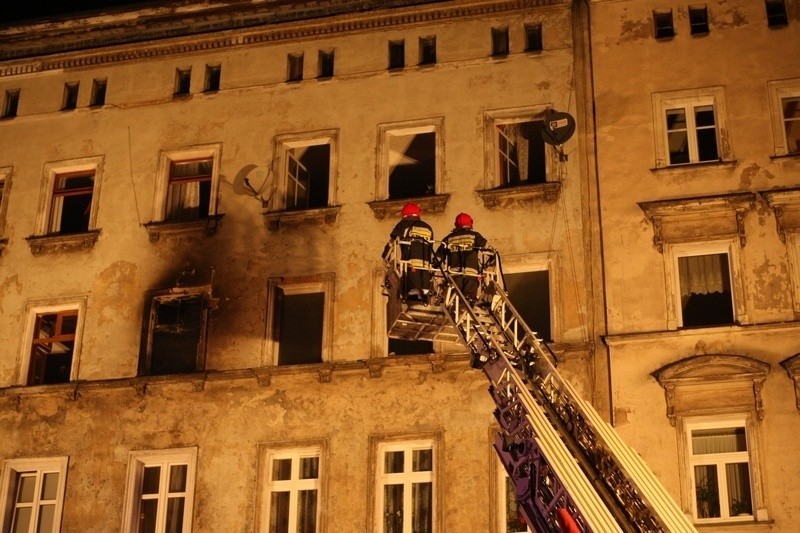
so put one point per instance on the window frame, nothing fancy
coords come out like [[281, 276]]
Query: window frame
[[502, 496], [37, 308], [412, 127], [294, 66], [137, 461], [319, 283], [213, 77], [41, 465], [779, 90], [71, 92], [183, 83], [326, 63], [47, 190], [673, 251], [98, 96], [501, 41], [538, 262], [286, 142], [663, 25], [378, 447], [700, 27], [10, 104], [534, 37], [427, 51], [166, 159], [267, 452], [396, 50], [691, 99], [776, 19]]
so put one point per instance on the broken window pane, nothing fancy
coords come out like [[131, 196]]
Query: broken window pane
[[52, 347], [705, 284], [529, 293], [412, 164], [300, 327], [308, 176], [177, 329], [189, 190], [791, 121], [521, 153], [72, 203]]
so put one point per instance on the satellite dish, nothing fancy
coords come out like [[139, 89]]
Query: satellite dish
[[558, 128], [255, 181]]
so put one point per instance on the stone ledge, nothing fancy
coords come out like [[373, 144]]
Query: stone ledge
[[277, 219], [74, 242], [207, 226], [505, 196], [429, 204]]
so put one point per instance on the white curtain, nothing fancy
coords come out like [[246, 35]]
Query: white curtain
[[703, 274]]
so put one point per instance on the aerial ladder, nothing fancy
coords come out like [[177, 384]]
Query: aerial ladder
[[560, 455]]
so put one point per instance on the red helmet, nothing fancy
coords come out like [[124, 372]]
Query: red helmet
[[411, 210], [463, 220]]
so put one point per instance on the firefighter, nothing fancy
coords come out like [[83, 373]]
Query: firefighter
[[459, 250], [416, 247]]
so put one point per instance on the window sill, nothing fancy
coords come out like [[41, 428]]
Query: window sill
[[75, 242], [694, 166], [790, 156], [748, 526], [323, 215], [207, 226], [505, 196], [428, 204]]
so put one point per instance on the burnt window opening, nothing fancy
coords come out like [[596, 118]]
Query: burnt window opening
[[412, 164], [698, 20], [500, 41], [189, 190], [72, 203], [176, 335], [52, 347], [662, 21], [533, 38], [70, 100], [427, 50], [705, 285], [325, 64], [776, 13], [299, 326], [791, 121], [98, 97], [406, 346], [521, 153], [11, 104], [183, 82], [294, 67], [308, 176], [529, 293], [397, 54], [213, 76]]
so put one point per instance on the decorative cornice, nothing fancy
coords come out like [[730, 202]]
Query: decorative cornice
[[109, 39], [785, 203], [792, 367]]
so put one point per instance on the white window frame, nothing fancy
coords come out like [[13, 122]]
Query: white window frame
[[407, 476], [286, 142], [5, 187], [43, 307], [51, 171], [730, 420], [411, 127], [537, 262], [137, 461], [167, 157], [41, 465], [714, 96], [777, 91], [267, 452], [502, 497], [673, 251], [323, 283], [491, 144]]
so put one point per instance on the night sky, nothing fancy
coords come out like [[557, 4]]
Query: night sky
[[25, 10]]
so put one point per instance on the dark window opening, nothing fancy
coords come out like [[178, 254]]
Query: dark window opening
[[791, 121], [70, 96], [397, 54], [11, 104], [72, 203], [325, 64], [706, 133], [299, 322], [406, 346], [705, 285], [412, 165], [52, 347], [499, 41], [183, 80], [529, 293], [427, 50], [213, 75], [98, 93], [698, 20], [189, 190], [664, 27], [308, 176], [177, 335], [295, 67], [533, 38], [776, 13], [521, 152]]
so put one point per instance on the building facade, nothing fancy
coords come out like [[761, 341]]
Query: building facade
[[194, 201]]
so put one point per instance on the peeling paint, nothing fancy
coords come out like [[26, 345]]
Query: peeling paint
[[772, 290]]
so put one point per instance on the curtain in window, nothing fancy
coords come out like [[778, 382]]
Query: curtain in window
[[516, 135], [724, 440], [422, 502], [703, 274], [183, 198]]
